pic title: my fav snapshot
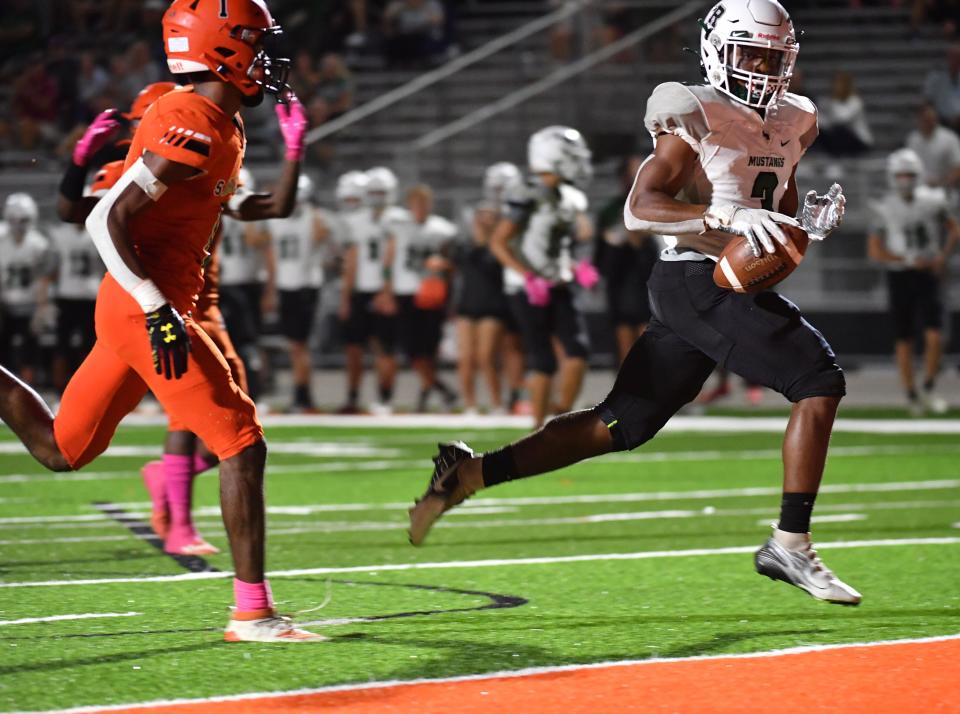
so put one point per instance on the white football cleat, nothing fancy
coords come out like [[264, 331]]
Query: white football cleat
[[266, 626], [934, 403], [790, 557]]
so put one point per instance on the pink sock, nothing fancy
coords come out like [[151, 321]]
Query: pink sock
[[202, 463], [179, 478], [252, 596]]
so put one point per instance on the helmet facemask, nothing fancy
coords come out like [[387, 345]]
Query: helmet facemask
[[760, 90]]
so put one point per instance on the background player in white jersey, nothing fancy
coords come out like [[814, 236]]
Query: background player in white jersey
[[247, 275], [25, 260], [534, 241], [486, 331], [77, 272], [913, 235], [297, 244], [729, 150], [418, 243], [364, 311]]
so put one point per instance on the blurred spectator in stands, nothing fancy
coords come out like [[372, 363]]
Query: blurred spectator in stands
[[944, 13], [20, 28], [92, 78], [35, 96], [938, 148], [85, 15], [942, 88], [562, 34], [140, 69], [304, 78], [413, 30], [358, 13], [844, 130], [617, 19]]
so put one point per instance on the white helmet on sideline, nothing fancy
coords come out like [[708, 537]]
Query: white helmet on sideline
[[734, 36], [351, 190], [381, 187], [563, 151], [20, 212], [304, 189], [499, 179], [904, 171]]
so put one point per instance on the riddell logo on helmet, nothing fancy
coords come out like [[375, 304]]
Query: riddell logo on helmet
[[764, 36]]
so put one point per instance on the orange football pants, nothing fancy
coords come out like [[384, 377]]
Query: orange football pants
[[118, 372]]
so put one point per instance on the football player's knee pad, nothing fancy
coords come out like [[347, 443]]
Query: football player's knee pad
[[632, 420], [542, 359], [825, 381]]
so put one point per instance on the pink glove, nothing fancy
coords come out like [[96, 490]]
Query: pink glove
[[97, 135], [585, 274], [293, 126], [538, 290]]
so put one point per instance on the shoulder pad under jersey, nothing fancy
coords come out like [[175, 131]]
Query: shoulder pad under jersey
[[797, 116], [675, 108]]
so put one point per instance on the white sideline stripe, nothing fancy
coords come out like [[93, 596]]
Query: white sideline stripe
[[478, 503], [466, 564], [341, 467], [61, 618], [507, 674], [214, 530]]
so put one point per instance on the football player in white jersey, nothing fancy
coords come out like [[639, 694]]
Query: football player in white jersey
[[366, 314], [723, 165], [297, 243], [534, 241], [25, 260], [913, 235], [418, 243], [247, 285], [486, 330]]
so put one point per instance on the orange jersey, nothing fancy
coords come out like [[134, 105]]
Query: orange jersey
[[172, 236], [210, 294]]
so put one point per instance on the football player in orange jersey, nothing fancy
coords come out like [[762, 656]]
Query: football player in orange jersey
[[152, 230]]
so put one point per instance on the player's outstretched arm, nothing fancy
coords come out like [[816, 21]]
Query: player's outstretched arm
[[72, 205]]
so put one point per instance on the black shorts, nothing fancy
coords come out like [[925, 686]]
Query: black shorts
[[539, 325], [18, 344], [240, 305], [695, 326], [75, 326], [419, 330], [364, 323], [626, 272], [914, 298], [298, 309]]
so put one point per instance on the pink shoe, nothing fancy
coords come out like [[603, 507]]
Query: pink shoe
[[188, 543], [755, 395], [153, 479]]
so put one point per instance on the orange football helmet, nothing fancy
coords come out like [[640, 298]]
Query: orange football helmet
[[225, 37], [106, 176], [148, 95]]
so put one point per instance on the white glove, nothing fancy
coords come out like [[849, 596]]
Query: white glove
[[821, 215], [757, 225]]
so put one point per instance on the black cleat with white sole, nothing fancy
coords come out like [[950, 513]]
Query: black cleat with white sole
[[444, 491]]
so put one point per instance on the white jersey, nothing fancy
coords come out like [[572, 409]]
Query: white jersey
[[365, 232], [912, 229], [547, 220], [413, 244], [299, 257], [79, 268], [21, 265], [745, 159], [239, 263]]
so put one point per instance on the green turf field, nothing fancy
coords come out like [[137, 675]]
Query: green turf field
[[338, 499]]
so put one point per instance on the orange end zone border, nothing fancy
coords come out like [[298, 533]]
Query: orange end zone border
[[902, 677]]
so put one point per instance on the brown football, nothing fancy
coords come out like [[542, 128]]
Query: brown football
[[739, 270]]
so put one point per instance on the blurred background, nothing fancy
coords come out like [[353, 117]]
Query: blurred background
[[437, 90]]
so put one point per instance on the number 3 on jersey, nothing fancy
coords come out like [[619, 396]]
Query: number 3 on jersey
[[764, 187]]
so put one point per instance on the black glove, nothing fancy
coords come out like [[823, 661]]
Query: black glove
[[169, 341]]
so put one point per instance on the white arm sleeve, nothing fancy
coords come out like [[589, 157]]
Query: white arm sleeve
[[143, 290]]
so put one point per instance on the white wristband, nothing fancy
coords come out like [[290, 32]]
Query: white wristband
[[148, 296]]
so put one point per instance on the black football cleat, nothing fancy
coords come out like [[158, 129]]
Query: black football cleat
[[445, 490]]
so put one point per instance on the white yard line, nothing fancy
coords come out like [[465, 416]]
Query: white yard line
[[61, 618], [469, 564], [506, 674], [322, 449]]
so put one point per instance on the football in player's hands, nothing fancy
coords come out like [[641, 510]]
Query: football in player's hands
[[738, 269]]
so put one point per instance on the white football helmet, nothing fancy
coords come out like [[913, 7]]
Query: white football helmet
[[498, 179], [351, 190], [734, 36], [904, 171], [381, 187], [561, 150], [304, 189], [20, 212]]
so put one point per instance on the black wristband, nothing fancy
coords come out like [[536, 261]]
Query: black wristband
[[71, 185]]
